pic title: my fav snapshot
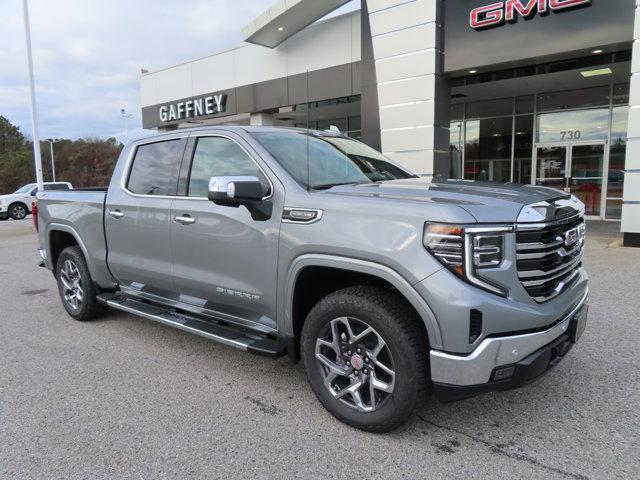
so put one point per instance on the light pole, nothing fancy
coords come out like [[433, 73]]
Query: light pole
[[32, 91], [126, 117], [53, 162]]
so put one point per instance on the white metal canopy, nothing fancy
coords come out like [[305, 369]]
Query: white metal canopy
[[285, 19]]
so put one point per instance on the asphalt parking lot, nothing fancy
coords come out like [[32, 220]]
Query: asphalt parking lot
[[127, 398]]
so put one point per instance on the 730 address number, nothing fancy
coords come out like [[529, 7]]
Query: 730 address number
[[571, 134]]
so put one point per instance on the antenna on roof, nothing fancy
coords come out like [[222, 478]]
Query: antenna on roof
[[308, 132], [333, 128]]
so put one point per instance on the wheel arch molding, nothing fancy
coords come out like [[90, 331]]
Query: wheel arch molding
[[359, 267]]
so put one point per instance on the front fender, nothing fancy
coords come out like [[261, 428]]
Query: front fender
[[360, 266]]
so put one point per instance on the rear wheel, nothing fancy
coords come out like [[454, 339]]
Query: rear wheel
[[365, 355], [18, 211], [75, 286]]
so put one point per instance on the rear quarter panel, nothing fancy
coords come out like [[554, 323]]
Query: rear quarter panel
[[81, 214]]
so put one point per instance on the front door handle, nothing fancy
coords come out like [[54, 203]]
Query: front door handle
[[185, 220], [116, 213]]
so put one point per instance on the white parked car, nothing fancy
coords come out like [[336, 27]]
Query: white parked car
[[17, 205]]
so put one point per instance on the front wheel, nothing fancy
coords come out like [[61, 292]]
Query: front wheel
[[18, 211], [76, 288], [365, 355]]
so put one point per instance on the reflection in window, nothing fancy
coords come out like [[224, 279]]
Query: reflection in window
[[617, 153], [155, 168], [455, 150], [488, 150], [582, 98], [572, 126], [522, 149], [219, 157]]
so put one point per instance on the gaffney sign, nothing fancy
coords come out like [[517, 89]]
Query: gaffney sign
[[499, 13], [198, 107]]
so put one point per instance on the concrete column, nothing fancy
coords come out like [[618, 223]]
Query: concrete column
[[412, 95], [260, 118], [631, 197]]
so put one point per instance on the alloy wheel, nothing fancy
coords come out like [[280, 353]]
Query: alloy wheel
[[356, 364], [72, 284], [18, 212]]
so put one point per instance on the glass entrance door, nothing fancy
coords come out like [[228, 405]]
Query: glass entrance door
[[575, 168], [585, 182], [551, 169]]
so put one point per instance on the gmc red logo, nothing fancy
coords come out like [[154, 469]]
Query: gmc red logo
[[499, 13]]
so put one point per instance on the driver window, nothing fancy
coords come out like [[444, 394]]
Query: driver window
[[219, 157]]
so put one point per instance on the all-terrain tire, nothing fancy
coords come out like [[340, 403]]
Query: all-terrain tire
[[405, 337]]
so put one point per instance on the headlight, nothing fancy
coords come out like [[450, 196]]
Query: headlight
[[467, 249]]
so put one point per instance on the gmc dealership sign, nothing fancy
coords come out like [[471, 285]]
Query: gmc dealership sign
[[193, 108], [499, 13]]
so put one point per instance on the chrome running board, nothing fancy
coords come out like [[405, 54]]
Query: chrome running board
[[250, 342]]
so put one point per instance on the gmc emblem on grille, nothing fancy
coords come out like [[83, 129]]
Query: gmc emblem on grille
[[573, 236]]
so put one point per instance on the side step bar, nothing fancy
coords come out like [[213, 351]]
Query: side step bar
[[253, 343]]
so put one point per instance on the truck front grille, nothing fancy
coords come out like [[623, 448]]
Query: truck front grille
[[547, 260]]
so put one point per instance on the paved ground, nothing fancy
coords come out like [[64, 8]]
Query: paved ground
[[127, 398]]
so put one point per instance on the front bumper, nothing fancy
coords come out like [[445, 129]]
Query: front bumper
[[500, 363], [4, 213]]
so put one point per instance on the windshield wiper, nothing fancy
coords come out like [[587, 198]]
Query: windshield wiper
[[326, 186]]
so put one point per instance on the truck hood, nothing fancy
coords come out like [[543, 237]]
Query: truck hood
[[487, 202]]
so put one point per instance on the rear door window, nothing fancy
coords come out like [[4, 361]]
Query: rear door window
[[56, 186], [156, 167]]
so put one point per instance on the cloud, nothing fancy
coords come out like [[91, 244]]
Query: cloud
[[88, 54]]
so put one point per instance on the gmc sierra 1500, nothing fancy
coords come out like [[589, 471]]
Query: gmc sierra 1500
[[285, 241]]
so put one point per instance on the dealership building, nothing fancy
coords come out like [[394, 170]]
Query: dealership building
[[543, 92]]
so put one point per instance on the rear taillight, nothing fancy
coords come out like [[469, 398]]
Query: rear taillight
[[34, 213]]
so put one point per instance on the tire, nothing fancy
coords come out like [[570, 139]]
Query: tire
[[389, 320], [72, 274], [18, 211]]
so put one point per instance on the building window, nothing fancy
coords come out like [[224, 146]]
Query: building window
[[573, 126], [617, 152], [455, 149], [523, 144], [488, 150], [583, 98]]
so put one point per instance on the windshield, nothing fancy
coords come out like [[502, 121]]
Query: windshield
[[331, 160], [25, 189]]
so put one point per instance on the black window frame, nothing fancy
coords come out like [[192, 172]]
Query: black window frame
[[132, 161], [185, 181]]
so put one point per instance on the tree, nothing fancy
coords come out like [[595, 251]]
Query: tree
[[11, 138], [83, 163]]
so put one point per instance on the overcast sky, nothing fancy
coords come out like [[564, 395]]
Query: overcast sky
[[88, 54]]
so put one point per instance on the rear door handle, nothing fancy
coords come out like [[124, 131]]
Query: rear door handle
[[185, 220], [116, 213]]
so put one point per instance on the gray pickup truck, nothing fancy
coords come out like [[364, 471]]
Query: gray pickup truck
[[309, 244]]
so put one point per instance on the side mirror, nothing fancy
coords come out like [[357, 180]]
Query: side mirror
[[233, 191], [241, 190]]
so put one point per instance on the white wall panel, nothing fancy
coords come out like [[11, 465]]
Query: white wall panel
[[319, 46], [148, 90], [407, 115], [404, 41], [257, 64], [406, 90], [210, 74], [420, 138], [402, 16], [406, 66], [173, 83]]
